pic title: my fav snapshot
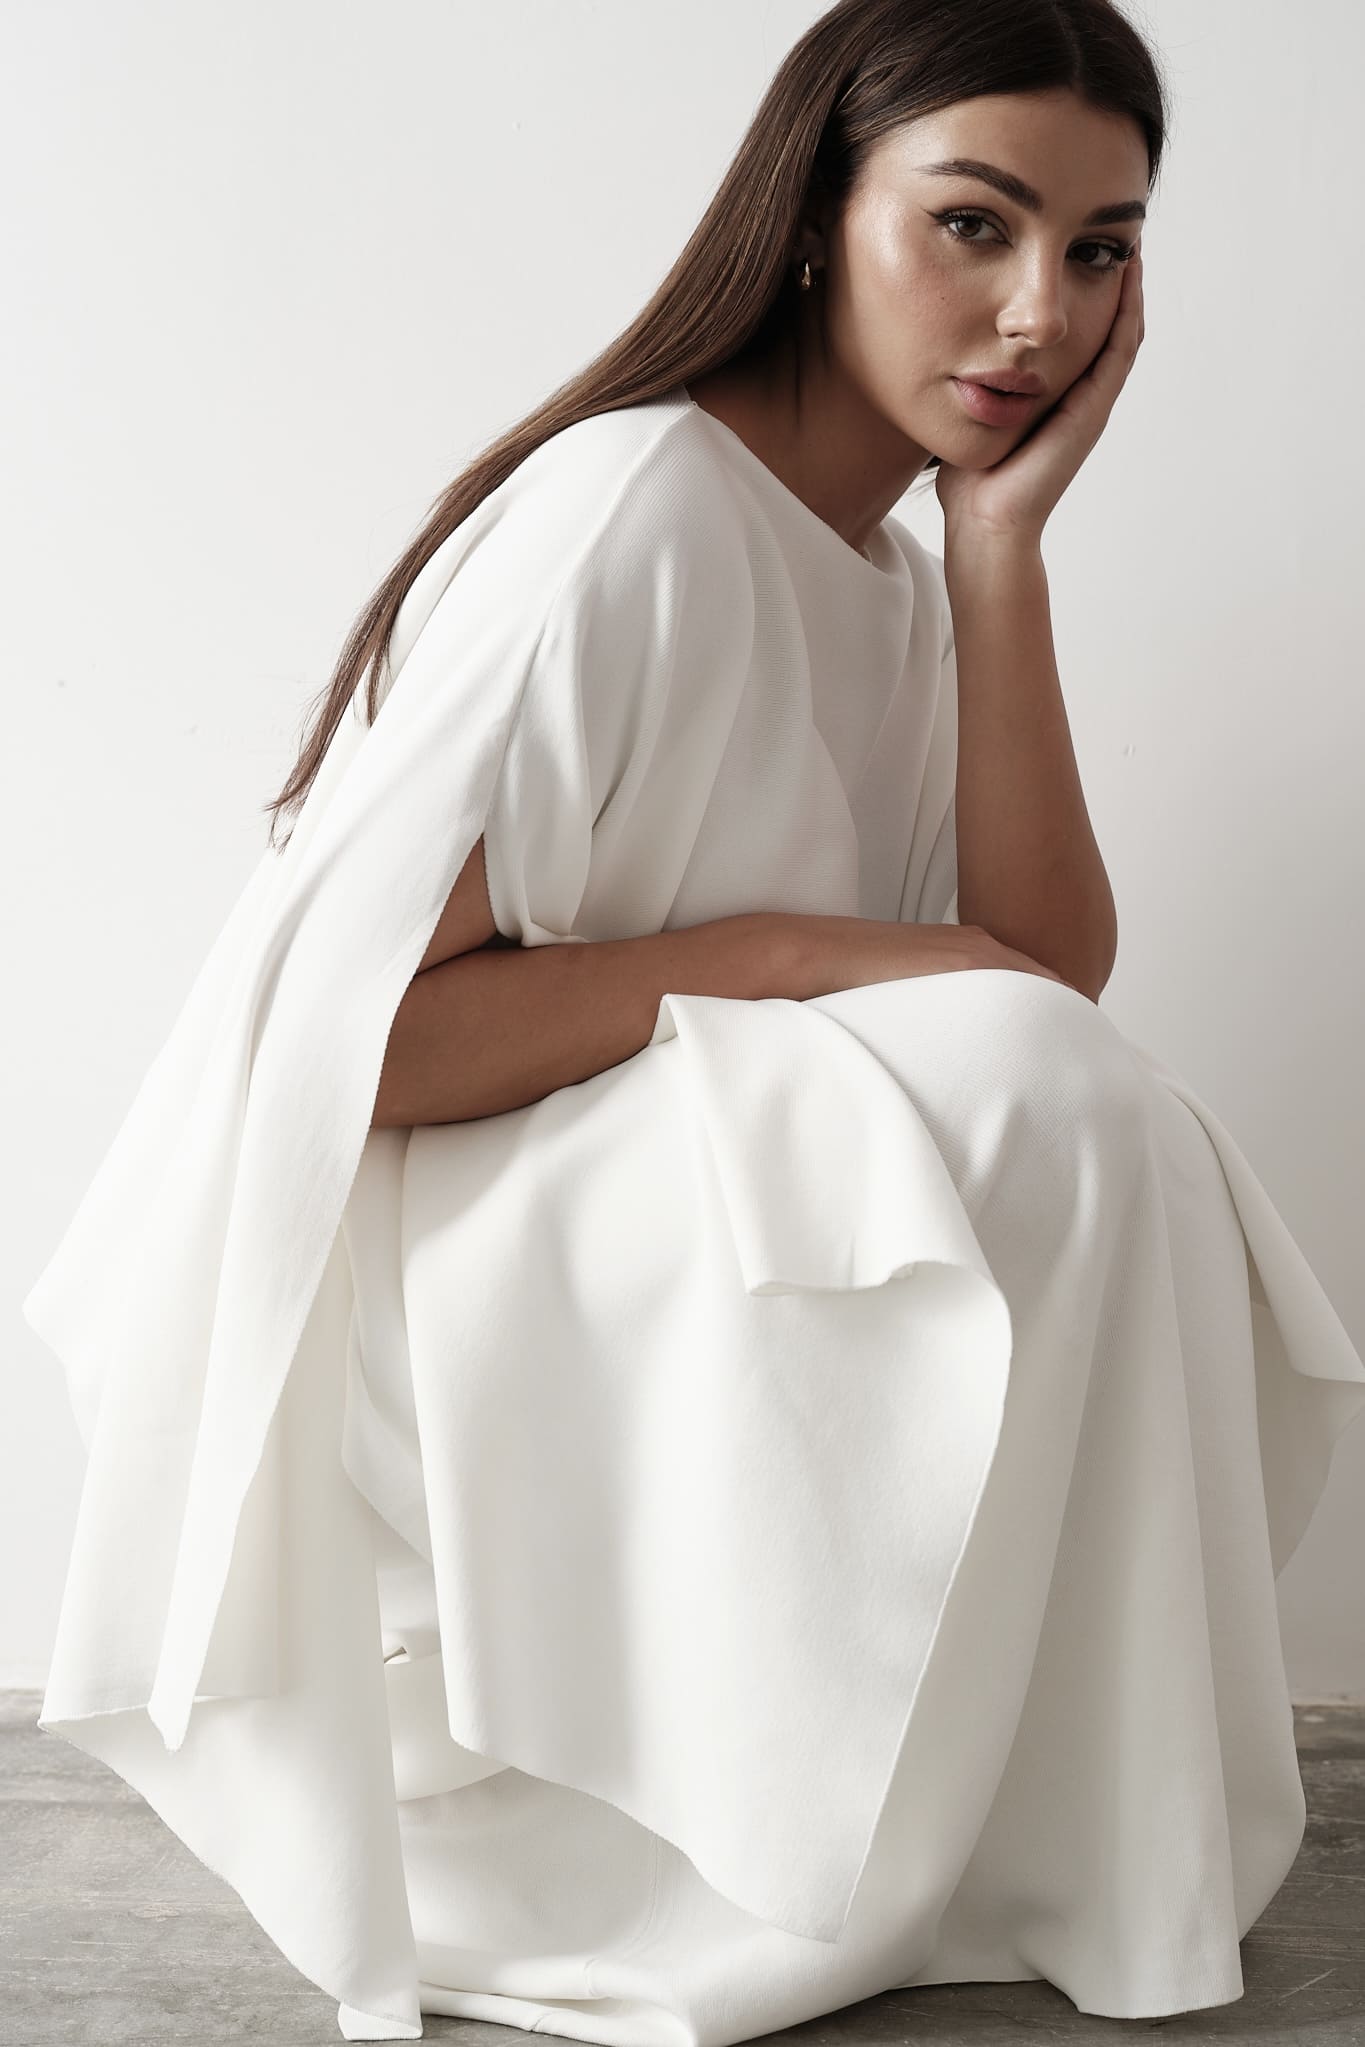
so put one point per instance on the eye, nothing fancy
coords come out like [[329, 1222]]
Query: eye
[[1118, 253]]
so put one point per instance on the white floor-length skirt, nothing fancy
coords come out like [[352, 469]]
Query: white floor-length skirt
[[830, 1473]]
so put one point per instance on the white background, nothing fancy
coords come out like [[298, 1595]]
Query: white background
[[276, 272]]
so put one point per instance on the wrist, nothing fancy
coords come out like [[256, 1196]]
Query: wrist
[[967, 547]]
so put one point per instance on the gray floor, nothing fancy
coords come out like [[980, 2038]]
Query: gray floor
[[111, 1931]]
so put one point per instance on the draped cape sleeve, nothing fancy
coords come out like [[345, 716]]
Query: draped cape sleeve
[[525, 667], [200, 1297]]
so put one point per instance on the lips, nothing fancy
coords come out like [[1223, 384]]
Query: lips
[[993, 408], [1027, 383]]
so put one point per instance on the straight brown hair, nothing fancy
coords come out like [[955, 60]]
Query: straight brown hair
[[861, 70]]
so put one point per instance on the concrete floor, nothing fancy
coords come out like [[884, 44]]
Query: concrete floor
[[111, 1931]]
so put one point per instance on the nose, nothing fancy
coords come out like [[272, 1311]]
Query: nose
[[1036, 304]]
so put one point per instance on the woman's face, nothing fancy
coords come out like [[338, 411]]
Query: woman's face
[[915, 299]]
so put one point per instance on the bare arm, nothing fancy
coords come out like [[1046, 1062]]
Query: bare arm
[[1029, 868], [487, 1025]]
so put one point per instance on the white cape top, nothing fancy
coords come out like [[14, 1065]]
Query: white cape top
[[570, 668], [664, 691]]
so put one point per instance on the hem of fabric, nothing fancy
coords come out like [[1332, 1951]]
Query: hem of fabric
[[397, 2026], [1093, 2001]]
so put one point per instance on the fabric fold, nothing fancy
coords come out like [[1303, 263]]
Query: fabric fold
[[289, 1794], [689, 1422], [663, 1432], [829, 1176], [1310, 1379]]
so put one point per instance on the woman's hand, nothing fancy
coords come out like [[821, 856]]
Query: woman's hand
[[1016, 495]]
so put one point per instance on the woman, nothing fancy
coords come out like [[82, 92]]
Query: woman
[[687, 1436]]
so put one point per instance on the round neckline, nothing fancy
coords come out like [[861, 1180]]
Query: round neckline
[[801, 510]]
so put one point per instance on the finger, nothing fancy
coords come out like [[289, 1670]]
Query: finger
[[1130, 305], [1110, 368], [1137, 299], [1125, 331]]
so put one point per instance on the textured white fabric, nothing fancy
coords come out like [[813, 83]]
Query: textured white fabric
[[819, 1483]]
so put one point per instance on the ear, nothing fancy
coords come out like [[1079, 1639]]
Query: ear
[[812, 234]]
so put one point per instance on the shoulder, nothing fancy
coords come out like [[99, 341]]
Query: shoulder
[[630, 502], [653, 571], [659, 513], [614, 516]]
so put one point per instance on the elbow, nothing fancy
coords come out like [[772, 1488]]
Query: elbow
[[1094, 982], [1092, 987]]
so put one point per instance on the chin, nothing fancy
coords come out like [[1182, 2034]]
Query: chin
[[971, 455]]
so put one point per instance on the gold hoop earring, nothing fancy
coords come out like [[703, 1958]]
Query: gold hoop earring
[[804, 280]]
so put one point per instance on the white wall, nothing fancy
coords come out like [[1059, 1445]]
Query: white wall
[[280, 270]]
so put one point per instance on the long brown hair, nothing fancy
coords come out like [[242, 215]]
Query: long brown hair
[[862, 69]]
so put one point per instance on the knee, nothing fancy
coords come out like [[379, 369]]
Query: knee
[[1063, 1062]]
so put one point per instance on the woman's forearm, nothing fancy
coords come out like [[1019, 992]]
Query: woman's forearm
[[1029, 869], [496, 1028]]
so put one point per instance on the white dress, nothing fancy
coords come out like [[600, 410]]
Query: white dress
[[793, 1515]]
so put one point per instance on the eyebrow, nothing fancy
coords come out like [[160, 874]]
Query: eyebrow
[[1011, 187]]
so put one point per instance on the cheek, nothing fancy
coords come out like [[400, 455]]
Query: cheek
[[893, 266], [952, 291], [906, 291]]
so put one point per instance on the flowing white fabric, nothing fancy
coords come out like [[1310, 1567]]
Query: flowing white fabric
[[1072, 1754], [819, 1482]]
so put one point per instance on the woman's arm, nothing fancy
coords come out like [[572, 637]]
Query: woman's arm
[[1029, 870], [1028, 866], [492, 1028]]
